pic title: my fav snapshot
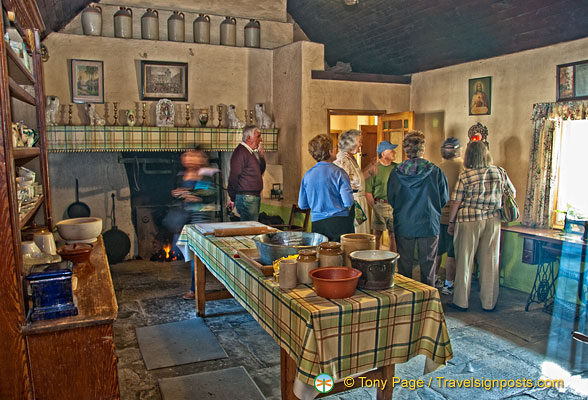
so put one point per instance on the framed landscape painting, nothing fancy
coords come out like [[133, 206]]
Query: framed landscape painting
[[164, 80], [87, 81]]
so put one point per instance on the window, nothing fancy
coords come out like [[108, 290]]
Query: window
[[572, 162]]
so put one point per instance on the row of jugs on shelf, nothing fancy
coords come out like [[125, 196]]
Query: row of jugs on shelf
[[123, 26]]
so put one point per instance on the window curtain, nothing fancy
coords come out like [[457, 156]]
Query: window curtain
[[543, 166]]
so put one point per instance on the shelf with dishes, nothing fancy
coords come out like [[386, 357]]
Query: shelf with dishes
[[28, 209]]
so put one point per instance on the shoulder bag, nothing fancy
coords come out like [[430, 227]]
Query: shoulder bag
[[510, 209]]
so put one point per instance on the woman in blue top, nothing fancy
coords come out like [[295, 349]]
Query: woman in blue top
[[326, 190]]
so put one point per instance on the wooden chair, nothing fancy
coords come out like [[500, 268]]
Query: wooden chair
[[290, 225]]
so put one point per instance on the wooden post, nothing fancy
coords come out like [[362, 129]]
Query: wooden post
[[199, 286]]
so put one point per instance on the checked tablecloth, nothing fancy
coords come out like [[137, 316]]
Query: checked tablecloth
[[340, 337]]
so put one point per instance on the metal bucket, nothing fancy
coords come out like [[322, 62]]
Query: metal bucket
[[377, 267], [272, 246]]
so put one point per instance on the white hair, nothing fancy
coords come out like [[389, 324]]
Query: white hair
[[248, 132]]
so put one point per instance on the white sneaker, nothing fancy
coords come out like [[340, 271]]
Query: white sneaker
[[447, 290]]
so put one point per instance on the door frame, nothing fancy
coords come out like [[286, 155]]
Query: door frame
[[340, 111]]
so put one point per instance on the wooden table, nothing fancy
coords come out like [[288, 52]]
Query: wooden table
[[544, 247], [73, 357], [367, 333]]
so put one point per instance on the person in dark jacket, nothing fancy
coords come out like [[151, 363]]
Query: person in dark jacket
[[417, 191], [245, 178]]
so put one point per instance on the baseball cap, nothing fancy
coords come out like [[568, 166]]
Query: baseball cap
[[451, 143], [385, 145]]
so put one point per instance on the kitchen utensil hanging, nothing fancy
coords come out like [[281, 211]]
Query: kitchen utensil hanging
[[78, 209], [116, 242]]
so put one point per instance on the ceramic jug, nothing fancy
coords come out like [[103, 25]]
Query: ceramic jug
[[123, 23], [330, 254], [176, 27], [228, 32], [351, 242], [202, 29], [92, 20], [150, 25], [307, 261], [252, 33]]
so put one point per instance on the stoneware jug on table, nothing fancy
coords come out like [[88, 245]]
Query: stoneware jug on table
[[202, 29], [123, 23], [351, 242], [176, 27], [252, 31], [92, 20], [150, 25], [228, 32]]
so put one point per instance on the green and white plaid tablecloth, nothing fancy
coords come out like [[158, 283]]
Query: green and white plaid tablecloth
[[338, 337], [148, 138]]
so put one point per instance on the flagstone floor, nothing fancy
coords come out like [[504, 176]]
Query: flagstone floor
[[508, 344]]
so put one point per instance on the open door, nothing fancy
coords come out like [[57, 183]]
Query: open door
[[369, 134], [393, 127]]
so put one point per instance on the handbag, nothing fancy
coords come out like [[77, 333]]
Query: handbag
[[360, 216], [510, 209]]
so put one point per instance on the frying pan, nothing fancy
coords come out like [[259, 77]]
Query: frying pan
[[116, 242], [78, 209]]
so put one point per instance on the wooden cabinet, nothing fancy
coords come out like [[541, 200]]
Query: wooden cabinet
[[70, 357]]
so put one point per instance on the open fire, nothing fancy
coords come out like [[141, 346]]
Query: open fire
[[166, 254]]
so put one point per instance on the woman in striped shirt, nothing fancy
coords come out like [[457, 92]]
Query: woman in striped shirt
[[475, 219]]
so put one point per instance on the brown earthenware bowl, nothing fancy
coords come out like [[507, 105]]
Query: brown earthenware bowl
[[77, 253], [335, 282]]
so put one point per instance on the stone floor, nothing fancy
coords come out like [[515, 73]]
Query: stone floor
[[506, 344]]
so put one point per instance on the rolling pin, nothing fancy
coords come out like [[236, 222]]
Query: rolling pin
[[250, 230]]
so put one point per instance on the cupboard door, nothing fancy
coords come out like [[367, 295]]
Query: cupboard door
[[393, 127], [74, 364]]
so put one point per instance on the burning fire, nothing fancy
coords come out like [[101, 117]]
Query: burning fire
[[166, 254]]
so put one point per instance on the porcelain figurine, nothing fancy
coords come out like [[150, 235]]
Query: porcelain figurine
[[131, 118], [164, 113], [234, 121], [93, 116], [51, 108], [263, 120]]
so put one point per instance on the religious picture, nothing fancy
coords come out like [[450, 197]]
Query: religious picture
[[480, 90], [566, 82]]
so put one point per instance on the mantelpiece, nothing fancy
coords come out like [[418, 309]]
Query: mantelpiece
[[62, 139]]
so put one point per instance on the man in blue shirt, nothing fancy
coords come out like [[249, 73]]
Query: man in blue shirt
[[326, 190], [417, 191]]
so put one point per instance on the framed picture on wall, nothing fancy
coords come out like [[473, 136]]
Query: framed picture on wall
[[161, 79], [87, 81], [480, 95], [572, 81]]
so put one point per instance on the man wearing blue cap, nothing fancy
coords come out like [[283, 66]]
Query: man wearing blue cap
[[376, 187]]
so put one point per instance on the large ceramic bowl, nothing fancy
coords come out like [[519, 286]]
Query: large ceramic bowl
[[80, 230], [335, 282], [377, 267], [272, 246]]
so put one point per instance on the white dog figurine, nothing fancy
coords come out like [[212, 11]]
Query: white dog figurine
[[51, 108], [93, 116], [263, 120], [234, 121]]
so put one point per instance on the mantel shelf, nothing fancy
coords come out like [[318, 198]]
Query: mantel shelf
[[148, 138]]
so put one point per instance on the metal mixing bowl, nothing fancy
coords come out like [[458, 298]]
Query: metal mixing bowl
[[272, 246]]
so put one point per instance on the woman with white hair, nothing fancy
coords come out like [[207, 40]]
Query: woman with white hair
[[349, 145]]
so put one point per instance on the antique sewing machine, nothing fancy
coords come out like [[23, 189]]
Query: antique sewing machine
[[576, 227]]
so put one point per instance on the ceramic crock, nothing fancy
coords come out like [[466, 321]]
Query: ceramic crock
[[92, 20], [176, 27], [228, 32], [123, 23], [252, 33], [150, 25], [351, 242], [202, 29], [330, 254], [307, 261]]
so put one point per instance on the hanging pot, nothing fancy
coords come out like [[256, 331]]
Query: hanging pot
[[123, 23], [78, 209], [228, 32], [92, 20], [116, 242], [176, 27], [150, 25], [202, 29], [252, 30]]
